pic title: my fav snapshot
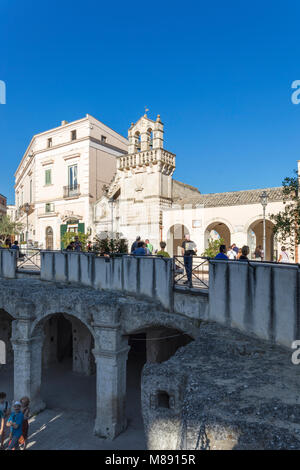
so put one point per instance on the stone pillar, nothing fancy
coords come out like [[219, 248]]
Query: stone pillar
[[27, 364], [111, 351]]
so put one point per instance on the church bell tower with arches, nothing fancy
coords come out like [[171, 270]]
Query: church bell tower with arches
[[145, 180]]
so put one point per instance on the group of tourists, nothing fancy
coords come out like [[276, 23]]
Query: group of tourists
[[14, 423], [75, 245], [144, 248], [241, 254]]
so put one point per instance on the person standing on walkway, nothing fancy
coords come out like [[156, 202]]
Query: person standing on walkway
[[25, 427], [245, 253], [231, 254], [162, 251], [222, 253], [140, 250], [135, 244], [235, 249], [283, 257], [4, 413], [149, 246], [77, 244], [188, 249], [258, 253], [15, 422]]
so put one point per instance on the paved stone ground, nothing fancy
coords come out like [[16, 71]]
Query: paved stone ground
[[68, 421]]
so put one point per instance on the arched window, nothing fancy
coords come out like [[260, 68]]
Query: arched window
[[138, 141], [150, 138]]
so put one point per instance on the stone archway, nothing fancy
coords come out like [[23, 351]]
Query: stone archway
[[218, 229], [68, 379], [148, 345], [175, 237], [6, 361], [255, 238]]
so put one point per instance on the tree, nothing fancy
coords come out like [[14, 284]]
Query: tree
[[287, 222], [69, 237], [103, 243], [9, 228], [213, 248]]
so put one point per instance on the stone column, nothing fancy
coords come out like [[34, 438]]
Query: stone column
[[27, 364], [111, 351]]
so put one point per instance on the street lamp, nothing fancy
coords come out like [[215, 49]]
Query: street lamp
[[264, 202], [26, 209]]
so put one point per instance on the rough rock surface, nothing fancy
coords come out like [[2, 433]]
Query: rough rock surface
[[226, 391]]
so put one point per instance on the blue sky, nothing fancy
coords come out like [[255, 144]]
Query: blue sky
[[219, 74]]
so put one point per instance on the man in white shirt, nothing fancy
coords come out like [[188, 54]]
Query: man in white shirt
[[231, 253], [284, 257]]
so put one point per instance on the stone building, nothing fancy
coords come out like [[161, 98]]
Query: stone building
[[61, 176], [3, 207], [12, 212], [83, 176], [143, 199]]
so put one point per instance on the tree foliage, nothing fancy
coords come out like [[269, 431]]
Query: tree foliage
[[287, 222], [8, 228], [103, 243], [213, 247], [69, 237]]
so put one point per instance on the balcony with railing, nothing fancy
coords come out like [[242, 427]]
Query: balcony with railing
[[72, 191], [147, 157]]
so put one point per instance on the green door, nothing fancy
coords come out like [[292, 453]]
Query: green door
[[63, 229]]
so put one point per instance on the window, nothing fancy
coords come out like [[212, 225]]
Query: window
[[72, 176], [48, 178], [49, 143], [73, 135], [73, 228], [103, 138], [163, 400], [49, 207], [30, 192]]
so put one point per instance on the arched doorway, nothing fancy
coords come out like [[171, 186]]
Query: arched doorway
[[217, 230], [149, 345], [68, 365], [175, 237], [49, 238], [255, 238], [6, 369]]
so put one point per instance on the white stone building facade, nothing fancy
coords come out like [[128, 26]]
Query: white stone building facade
[[143, 199], [83, 176], [61, 176]]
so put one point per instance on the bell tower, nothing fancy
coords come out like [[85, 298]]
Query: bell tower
[[145, 176]]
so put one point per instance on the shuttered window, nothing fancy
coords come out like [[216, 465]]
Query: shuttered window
[[48, 179]]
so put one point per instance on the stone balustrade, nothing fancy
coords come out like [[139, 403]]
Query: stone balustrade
[[145, 158], [8, 263], [257, 298], [142, 276]]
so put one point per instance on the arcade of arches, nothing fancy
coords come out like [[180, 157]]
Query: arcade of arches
[[253, 237], [70, 361]]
